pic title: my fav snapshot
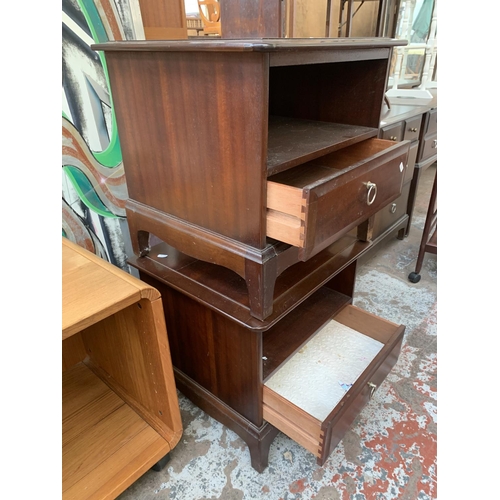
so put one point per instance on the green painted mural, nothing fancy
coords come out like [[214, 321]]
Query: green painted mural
[[94, 190]]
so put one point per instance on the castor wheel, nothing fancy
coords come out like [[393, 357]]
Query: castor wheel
[[158, 466], [414, 277]]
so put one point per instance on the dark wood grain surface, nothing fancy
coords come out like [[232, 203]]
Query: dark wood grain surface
[[193, 132], [250, 44], [224, 291], [244, 19]]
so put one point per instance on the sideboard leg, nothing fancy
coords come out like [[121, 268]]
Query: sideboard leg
[[259, 448]]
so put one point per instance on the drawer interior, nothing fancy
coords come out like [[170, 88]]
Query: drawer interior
[[319, 375], [313, 390]]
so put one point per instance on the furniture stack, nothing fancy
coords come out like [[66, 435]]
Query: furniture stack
[[254, 171]]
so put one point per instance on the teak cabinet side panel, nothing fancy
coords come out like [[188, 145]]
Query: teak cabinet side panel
[[130, 352], [193, 131]]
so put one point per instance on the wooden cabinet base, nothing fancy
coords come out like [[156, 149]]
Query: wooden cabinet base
[[223, 358], [258, 439]]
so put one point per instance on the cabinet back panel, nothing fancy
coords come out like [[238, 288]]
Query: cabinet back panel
[[346, 92]]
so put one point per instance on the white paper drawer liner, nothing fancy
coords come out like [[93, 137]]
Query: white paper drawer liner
[[317, 377]]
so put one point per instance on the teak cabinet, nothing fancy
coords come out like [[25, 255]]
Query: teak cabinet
[[254, 170], [120, 414]]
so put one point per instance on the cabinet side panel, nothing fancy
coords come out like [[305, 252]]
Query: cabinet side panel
[[129, 351], [218, 354], [345, 92], [193, 130]]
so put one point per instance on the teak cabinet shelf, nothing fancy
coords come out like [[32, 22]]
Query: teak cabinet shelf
[[254, 170], [120, 413]]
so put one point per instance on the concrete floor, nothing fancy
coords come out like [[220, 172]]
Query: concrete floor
[[390, 450]]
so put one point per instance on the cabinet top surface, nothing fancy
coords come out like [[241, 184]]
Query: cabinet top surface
[[93, 289], [398, 112], [249, 45]]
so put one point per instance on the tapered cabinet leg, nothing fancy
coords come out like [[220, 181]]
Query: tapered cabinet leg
[[259, 448]]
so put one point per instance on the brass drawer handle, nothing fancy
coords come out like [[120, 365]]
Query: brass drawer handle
[[393, 138], [393, 208], [372, 387], [435, 144], [372, 192], [413, 129]]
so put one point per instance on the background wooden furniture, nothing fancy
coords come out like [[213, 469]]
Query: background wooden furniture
[[429, 234], [251, 19], [163, 20], [120, 410], [288, 140], [416, 123], [210, 16]]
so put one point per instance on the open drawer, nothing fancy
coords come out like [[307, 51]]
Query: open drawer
[[314, 204], [316, 395]]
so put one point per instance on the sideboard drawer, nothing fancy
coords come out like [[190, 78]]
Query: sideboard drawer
[[432, 122], [429, 147], [393, 132], [410, 166], [316, 395], [391, 213], [314, 204], [412, 128]]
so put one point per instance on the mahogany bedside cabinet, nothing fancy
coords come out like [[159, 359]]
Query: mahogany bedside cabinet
[[256, 165]]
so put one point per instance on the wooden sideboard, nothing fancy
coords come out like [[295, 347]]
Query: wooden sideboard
[[254, 170], [418, 124], [120, 413]]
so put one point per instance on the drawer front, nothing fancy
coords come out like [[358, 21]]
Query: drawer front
[[431, 122], [429, 147], [393, 132], [304, 419], [412, 128], [410, 165], [391, 213], [315, 204]]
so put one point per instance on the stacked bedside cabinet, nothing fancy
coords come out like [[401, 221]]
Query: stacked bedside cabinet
[[256, 165]]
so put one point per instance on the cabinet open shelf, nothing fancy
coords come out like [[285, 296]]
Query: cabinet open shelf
[[106, 444], [225, 292], [293, 141]]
